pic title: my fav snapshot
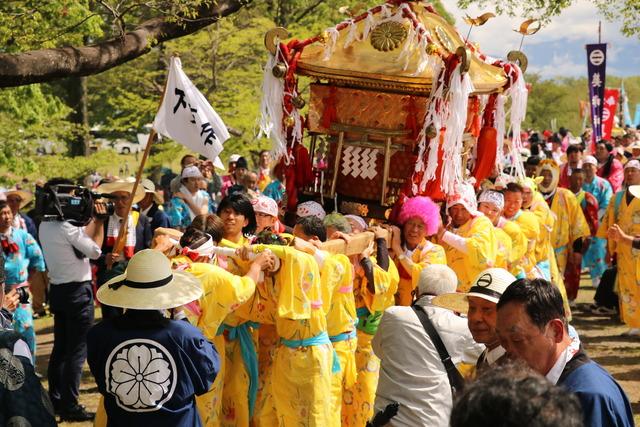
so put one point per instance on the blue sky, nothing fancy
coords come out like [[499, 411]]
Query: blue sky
[[557, 49]]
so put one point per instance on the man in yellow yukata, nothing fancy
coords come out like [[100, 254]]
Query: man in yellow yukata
[[571, 226], [528, 223], [223, 293], [621, 224], [512, 243], [469, 239], [419, 218]]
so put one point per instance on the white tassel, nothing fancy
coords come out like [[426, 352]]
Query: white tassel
[[408, 47], [369, 23], [271, 108], [519, 95], [353, 34], [459, 90], [501, 118], [330, 43]]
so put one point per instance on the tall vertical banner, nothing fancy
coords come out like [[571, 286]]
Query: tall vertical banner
[[609, 108], [636, 117], [596, 68]]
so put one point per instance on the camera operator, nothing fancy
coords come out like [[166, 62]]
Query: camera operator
[[67, 249]]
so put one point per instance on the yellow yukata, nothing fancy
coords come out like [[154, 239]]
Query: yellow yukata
[[570, 225], [300, 384], [426, 253], [519, 245], [337, 274], [223, 292], [481, 251], [530, 227], [357, 401], [504, 248], [239, 335], [628, 259], [546, 219]]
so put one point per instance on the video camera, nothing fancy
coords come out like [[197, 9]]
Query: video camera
[[72, 203]]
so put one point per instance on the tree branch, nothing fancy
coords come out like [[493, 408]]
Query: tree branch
[[308, 10], [49, 64]]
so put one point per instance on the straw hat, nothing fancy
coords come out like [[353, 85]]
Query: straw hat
[[150, 187], [489, 285], [122, 185], [25, 196], [148, 283]]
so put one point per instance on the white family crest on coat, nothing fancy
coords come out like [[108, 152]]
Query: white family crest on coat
[[141, 374], [187, 117]]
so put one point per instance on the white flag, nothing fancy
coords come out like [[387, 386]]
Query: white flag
[[187, 117]]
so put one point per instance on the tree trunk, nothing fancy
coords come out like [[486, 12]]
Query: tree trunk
[[45, 65]]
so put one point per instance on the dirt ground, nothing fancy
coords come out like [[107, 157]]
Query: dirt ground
[[600, 336]]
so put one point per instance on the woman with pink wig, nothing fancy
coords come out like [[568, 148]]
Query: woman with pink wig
[[419, 218]]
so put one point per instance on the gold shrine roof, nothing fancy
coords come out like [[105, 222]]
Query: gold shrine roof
[[362, 65]]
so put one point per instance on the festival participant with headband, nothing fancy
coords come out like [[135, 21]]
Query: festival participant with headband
[[222, 293], [570, 227], [358, 224], [623, 218], [512, 243], [411, 251], [149, 367], [595, 257], [527, 221], [469, 239]]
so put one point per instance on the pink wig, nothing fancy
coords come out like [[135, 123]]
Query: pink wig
[[423, 208]]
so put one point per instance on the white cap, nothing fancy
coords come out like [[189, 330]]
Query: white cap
[[635, 164], [234, 158], [590, 160], [310, 208], [191, 172], [494, 197], [265, 205]]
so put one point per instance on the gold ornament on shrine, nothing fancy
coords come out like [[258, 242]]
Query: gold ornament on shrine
[[289, 121], [388, 36]]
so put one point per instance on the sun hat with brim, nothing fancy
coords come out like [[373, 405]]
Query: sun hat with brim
[[25, 196], [150, 187], [122, 185], [148, 283], [635, 190], [489, 285]]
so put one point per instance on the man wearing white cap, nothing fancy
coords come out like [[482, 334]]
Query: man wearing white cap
[[469, 240], [189, 201], [479, 304], [147, 366], [411, 370], [266, 210], [310, 208], [512, 243], [623, 216], [595, 257], [151, 204]]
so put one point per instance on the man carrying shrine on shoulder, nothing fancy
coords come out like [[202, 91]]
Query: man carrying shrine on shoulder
[[469, 239]]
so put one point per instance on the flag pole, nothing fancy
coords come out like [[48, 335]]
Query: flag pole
[[119, 245]]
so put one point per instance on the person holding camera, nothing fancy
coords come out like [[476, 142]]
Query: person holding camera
[[137, 235], [23, 257], [68, 247]]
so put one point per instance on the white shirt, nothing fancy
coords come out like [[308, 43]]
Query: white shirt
[[58, 238], [411, 372]]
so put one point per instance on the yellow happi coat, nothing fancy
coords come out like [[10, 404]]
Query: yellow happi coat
[[570, 225], [481, 251], [516, 257], [628, 259], [504, 248], [337, 274], [426, 253], [357, 401], [530, 228]]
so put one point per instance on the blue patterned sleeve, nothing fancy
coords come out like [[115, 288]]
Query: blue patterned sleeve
[[34, 253]]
